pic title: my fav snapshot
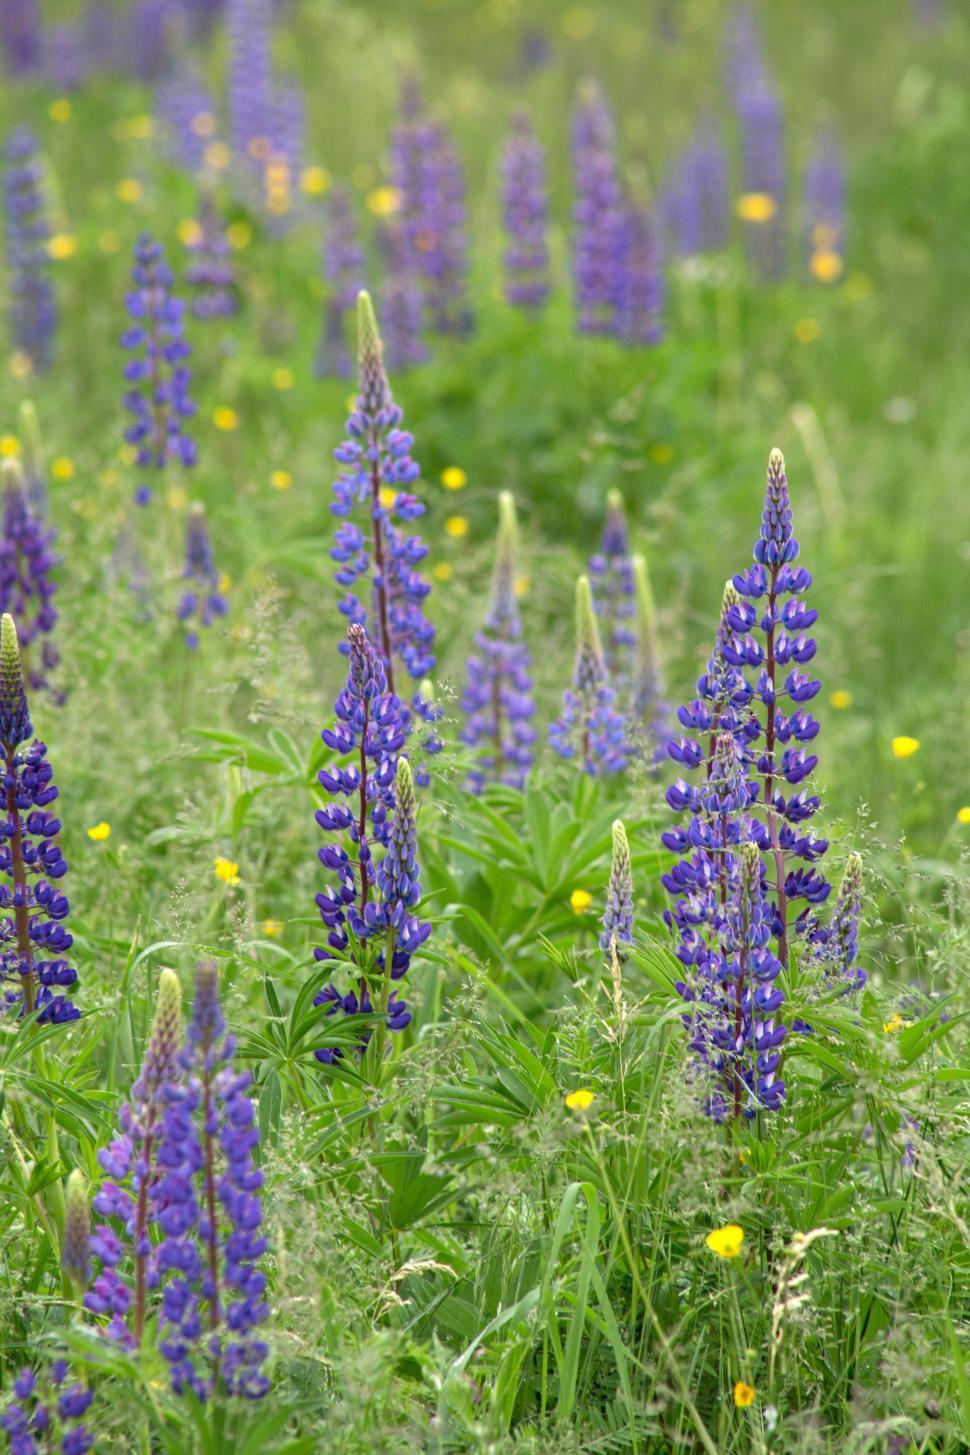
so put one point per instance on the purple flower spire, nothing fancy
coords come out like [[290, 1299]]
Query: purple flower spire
[[249, 25], [618, 916], [761, 205], [27, 587], [46, 1414], [343, 272], [497, 701], [32, 908], [637, 278], [589, 729], [836, 946], [204, 600], [76, 1242], [525, 214], [186, 111], [597, 212], [158, 398], [32, 306], [22, 33], [697, 216], [611, 574], [376, 475], [210, 274], [402, 305], [825, 211]]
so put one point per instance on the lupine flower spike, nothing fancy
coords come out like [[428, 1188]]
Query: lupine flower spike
[[27, 587], [637, 278], [46, 1413], [597, 212], [76, 1247], [836, 947], [210, 273], [589, 730], [618, 916], [825, 211], [525, 214], [377, 471], [497, 700], [32, 307], [611, 574], [204, 600], [32, 909]]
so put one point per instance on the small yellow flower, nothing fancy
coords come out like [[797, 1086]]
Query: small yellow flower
[[521, 585], [726, 1242], [283, 378], [128, 454], [227, 871], [756, 207], [9, 445], [100, 832], [456, 526], [904, 747], [806, 330], [239, 235], [314, 181], [176, 497], [580, 1100], [454, 478], [272, 927], [225, 418], [661, 454], [580, 899], [363, 176], [109, 241], [443, 571], [963, 814], [840, 699], [203, 123], [895, 1023], [61, 246], [189, 232], [129, 190], [217, 155], [141, 127], [21, 365], [578, 23], [384, 201], [60, 110], [387, 497], [743, 1394], [63, 468], [281, 479], [826, 266], [857, 287], [225, 581]]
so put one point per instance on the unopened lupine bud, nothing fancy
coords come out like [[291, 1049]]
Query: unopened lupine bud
[[588, 727], [618, 917], [75, 1250], [160, 1063], [589, 671], [15, 724], [374, 390]]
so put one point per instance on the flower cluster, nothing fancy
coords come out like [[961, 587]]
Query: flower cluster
[[611, 577], [589, 729], [638, 278], [210, 274], [47, 1410], [33, 939], [343, 268], [33, 310], [186, 111], [158, 396], [27, 586], [597, 212], [22, 34], [762, 201], [377, 471], [497, 701], [825, 211], [618, 915], [205, 599], [695, 202], [402, 305], [525, 213]]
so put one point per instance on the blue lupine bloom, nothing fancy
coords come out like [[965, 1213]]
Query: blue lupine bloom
[[762, 203], [824, 210], [375, 479], [597, 212], [836, 946], [614, 593], [159, 394], [32, 907], [343, 273], [589, 730], [22, 33], [695, 205], [204, 601], [27, 587], [46, 1413], [249, 25], [638, 285], [497, 701], [31, 303], [618, 915], [525, 215], [186, 110], [402, 304], [210, 274]]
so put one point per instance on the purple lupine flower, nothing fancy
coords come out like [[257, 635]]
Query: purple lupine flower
[[825, 211], [744, 51], [249, 24], [206, 1204], [618, 916], [159, 394], [649, 712], [597, 212], [928, 14], [369, 732], [525, 215], [497, 701], [836, 946], [204, 601], [377, 474], [22, 32], [761, 205], [343, 273], [32, 906], [283, 156], [46, 1413], [611, 574], [210, 274], [399, 885], [132, 1167], [65, 56], [402, 306], [589, 729], [637, 278], [186, 110], [27, 587], [696, 214], [32, 306], [148, 35]]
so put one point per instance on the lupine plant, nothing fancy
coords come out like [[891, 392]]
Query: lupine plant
[[525, 216], [343, 270], [761, 205], [21, 29], [156, 371], [638, 278], [33, 909], [618, 916], [614, 591], [589, 730], [203, 600], [824, 219], [27, 585], [597, 212], [31, 302], [497, 701], [48, 1409], [210, 274]]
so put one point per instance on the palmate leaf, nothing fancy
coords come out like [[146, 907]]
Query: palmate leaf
[[414, 1193]]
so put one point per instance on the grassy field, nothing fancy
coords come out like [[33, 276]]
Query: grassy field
[[458, 1260]]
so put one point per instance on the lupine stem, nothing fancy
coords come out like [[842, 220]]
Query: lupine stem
[[141, 1227]]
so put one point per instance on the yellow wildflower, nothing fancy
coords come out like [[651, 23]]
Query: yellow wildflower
[[580, 1100], [580, 899], [743, 1394], [726, 1242], [61, 246], [189, 232], [384, 201], [963, 814], [63, 468], [227, 871], [176, 497], [129, 190], [826, 266], [100, 832], [225, 418], [456, 526], [9, 445], [283, 378], [217, 155], [60, 110], [239, 235], [443, 571], [904, 747], [661, 454], [521, 585], [387, 496], [756, 207], [895, 1023], [281, 479], [840, 698], [314, 180], [272, 927], [20, 365], [454, 478], [806, 330]]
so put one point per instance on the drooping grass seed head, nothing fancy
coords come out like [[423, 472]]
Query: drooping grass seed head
[[15, 724], [375, 392]]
